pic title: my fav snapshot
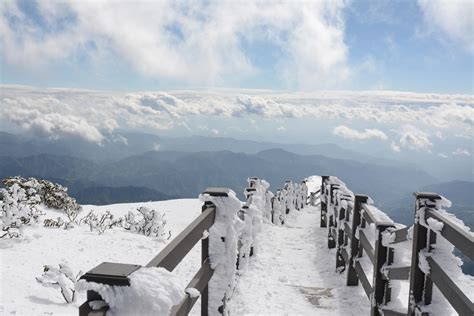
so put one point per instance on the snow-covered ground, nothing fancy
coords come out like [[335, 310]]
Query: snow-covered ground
[[294, 273], [23, 260]]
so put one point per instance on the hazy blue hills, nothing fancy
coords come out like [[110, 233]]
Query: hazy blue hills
[[110, 195], [181, 174]]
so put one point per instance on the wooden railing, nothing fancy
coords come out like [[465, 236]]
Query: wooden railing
[[346, 231], [116, 274], [421, 283]]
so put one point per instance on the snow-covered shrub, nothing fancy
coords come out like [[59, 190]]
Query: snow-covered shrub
[[102, 223], [20, 198], [54, 223], [17, 209], [51, 194], [62, 278], [148, 222]]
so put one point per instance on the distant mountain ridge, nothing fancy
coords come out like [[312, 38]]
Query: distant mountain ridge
[[181, 174]]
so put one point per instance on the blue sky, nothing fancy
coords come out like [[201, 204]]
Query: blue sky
[[382, 45]]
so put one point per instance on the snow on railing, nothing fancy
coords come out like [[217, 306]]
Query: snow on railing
[[377, 251], [435, 234], [228, 230]]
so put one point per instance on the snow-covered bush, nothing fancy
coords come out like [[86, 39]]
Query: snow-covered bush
[[148, 222], [54, 223], [101, 223], [17, 209], [51, 194], [62, 278], [20, 198]]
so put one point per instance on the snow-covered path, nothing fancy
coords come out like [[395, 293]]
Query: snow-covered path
[[294, 273]]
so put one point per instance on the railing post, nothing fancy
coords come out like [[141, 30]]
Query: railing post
[[352, 278], [340, 262], [108, 273], [379, 284], [204, 257], [331, 237], [324, 199], [421, 286]]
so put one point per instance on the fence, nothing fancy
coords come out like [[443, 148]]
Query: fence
[[348, 218], [260, 205]]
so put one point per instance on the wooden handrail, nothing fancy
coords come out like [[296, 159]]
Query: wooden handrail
[[177, 249]]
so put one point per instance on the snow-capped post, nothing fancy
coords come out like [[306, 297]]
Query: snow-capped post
[[383, 257], [252, 219], [421, 285], [304, 198], [324, 201], [436, 264], [107, 273], [352, 278], [223, 247], [331, 220]]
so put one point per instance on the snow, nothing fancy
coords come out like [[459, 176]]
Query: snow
[[22, 260], [294, 273], [223, 251], [192, 292], [152, 291]]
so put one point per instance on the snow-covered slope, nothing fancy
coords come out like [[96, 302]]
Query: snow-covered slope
[[23, 260]]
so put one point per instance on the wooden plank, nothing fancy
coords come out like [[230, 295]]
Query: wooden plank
[[363, 279], [199, 282], [398, 273], [401, 234], [179, 247], [460, 238], [367, 214], [369, 250], [345, 255], [370, 218], [347, 229], [389, 312], [458, 300]]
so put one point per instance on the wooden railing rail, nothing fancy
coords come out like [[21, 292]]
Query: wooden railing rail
[[168, 258], [421, 283], [347, 226]]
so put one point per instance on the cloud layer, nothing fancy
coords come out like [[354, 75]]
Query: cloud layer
[[93, 115], [198, 42]]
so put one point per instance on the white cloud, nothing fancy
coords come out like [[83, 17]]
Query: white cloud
[[454, 19], [414, 138], [443, 155], [395, 147], [156, 38], [94, 115], [368, 133], [461, 152]]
